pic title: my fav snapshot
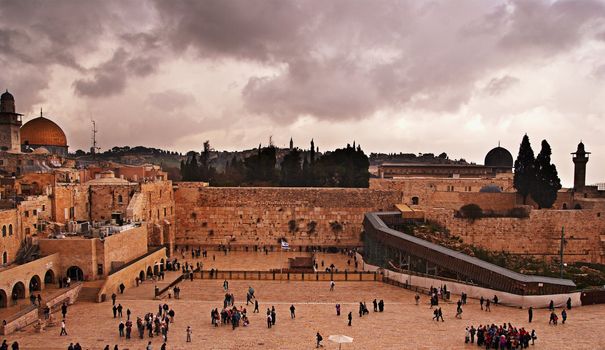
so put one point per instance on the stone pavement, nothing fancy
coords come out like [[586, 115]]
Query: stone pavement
[[250, 261], [403, 325]]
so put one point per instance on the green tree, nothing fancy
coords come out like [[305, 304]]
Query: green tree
[[547, 182], [291, 171], [205, 170], [525, 172]]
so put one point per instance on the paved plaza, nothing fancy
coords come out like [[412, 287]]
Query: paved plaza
[[403, 325]]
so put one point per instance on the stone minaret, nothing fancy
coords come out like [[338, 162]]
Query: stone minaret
[[10, 124], [580, 158]]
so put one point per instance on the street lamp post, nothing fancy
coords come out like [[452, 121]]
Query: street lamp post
[[562, 247]]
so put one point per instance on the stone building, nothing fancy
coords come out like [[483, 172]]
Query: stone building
[[498, 163]]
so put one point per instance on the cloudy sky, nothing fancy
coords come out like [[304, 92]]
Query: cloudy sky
[[396, 76]]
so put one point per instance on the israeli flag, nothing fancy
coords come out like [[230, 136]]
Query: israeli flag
[[285, 245]]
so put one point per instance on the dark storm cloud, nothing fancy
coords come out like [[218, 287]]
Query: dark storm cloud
[[37, 35], [340, 60], [109, 78]]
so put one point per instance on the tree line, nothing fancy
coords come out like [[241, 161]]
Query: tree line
[[536, 177], [343, 167]]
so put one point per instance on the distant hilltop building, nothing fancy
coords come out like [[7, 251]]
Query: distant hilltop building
[[40, 135], [498, 163]]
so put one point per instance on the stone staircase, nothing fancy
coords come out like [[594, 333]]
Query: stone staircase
[[90, 290]]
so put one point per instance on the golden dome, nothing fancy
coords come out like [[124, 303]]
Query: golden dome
[[42, 132]]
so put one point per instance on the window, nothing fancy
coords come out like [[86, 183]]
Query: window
[[158, 213], [43, 207], [35, 212], [26, 213], [4, 231], [10, 229], [1, 161], [4, 258], [165, 211], [120, 199], [415, 201]]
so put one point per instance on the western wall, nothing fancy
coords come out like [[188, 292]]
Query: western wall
[[248, 217], [260, 216]]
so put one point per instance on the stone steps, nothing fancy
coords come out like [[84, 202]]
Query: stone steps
[[90, 290]]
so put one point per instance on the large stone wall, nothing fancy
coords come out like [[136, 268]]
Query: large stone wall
[[123, 247], [260, 216], [158, 209], [538, 235], [441, 192]]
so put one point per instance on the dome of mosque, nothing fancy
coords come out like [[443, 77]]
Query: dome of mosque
[[499, 157], [42, 131]]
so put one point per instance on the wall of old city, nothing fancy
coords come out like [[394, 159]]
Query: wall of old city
[[538, 235], [159, 212], [260, 216], [432, 191]]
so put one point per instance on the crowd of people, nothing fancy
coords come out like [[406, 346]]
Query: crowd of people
[[500, 337]]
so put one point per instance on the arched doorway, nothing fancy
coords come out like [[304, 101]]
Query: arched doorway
[[3, 299], [49, 277], [141, 276], [149, 272], [75, 273], [35, 284], [18, 292], [156, 269], [162, 266]]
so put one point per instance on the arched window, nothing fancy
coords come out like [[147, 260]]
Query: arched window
[[10, 229], [4, 258], [4, 231], [415, 200], [119, 198]]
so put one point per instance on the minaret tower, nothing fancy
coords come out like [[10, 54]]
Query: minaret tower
[[580, 158], [10, 124]]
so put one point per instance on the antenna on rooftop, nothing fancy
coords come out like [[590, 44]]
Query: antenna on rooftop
[[94, 148]]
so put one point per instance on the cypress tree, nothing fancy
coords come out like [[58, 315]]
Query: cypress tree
[[547, 180], [525, 172]]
